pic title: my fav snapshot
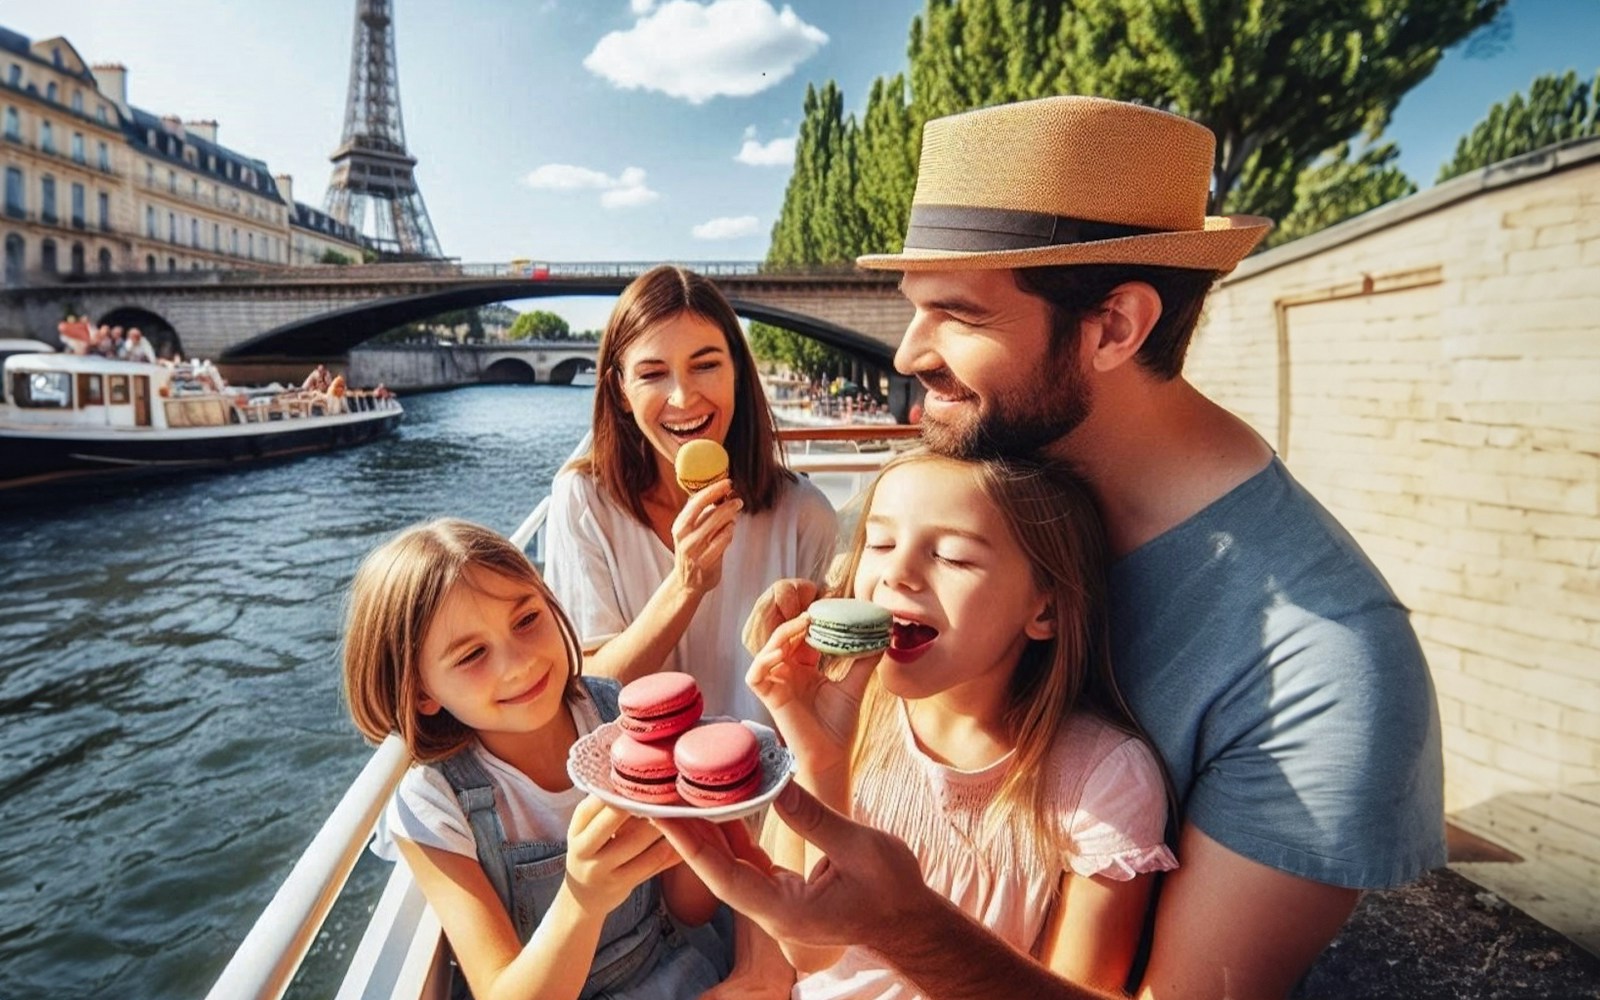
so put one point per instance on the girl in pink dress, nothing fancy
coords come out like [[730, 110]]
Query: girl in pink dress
[[989, 736]]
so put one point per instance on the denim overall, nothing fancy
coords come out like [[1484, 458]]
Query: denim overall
[[642, 955]]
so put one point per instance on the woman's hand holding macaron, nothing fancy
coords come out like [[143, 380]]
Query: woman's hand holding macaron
[[701, 534]]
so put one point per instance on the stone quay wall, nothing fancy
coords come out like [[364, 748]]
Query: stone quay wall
[[1431, 372]]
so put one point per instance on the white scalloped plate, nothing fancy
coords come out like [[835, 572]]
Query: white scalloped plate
[[589, 766]]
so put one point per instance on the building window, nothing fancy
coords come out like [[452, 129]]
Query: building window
[[77, 148], [103, 153], [16, 196], [251, 237], [194, 188], [172, 181], [194, 232], [79, 211], [172, 228], [100, 114], [16, 251], [105, 261], [172, 265], [150, 263], [216, 237], [233, 241], [47, 256], [50, 93], [47, 199], [77, 101], [16, 75], [47, 137], [77, 258], [103, 202], [13, 125], [150, 221], [150, 173]]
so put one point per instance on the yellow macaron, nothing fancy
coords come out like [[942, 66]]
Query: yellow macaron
[[700, 463]]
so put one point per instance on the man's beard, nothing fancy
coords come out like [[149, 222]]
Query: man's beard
[[1016, 421]]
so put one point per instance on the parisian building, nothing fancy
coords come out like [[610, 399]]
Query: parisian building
[[96, 185]]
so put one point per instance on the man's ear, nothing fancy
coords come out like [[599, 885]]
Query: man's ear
[[1116, 331], [1043, 624]]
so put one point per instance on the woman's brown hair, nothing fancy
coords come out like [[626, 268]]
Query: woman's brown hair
[[393, 599], [620, 459]]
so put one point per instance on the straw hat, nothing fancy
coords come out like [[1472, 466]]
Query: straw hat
[[1067, 180]]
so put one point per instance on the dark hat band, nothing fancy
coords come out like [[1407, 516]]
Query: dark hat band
[[969, 229]]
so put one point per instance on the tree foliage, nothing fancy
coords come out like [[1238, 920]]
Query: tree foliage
[[797, 353], [1556, 108], [1337, 188], [1282, 83], [539, 325]]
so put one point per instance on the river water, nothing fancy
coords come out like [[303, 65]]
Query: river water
[[169, 689]]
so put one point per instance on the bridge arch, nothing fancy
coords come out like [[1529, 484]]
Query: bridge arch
[[156, 330], [565, 371], [509, 371]]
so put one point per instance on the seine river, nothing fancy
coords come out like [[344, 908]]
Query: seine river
[[169, 690]]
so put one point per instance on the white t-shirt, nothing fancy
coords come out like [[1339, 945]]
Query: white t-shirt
[[424, 808], [604, 566]]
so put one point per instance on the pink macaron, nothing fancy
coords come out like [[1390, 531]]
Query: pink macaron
[[718, 764], [659, 706], [644, 772]]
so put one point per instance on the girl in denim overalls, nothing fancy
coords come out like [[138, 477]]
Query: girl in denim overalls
[[454, 642]]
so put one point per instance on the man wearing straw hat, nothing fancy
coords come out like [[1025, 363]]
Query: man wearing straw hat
[[1058, 256]]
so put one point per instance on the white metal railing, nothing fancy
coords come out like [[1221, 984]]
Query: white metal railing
[[265, 963], [400, 955]]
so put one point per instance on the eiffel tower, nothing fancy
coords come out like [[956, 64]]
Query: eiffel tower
[[371, 168]]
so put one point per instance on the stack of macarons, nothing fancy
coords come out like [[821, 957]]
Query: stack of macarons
[[700, 463], [663, 755], [844, 626]]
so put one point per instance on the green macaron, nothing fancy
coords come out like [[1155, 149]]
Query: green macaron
[[844, 626]]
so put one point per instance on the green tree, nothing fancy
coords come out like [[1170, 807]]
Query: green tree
[[332, 256], [1556, 109], [1337, 188], [540, 325], [887, 166], [796, 352], [1278, 81]]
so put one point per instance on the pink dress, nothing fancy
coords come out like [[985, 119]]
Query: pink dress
[[1109, 819]]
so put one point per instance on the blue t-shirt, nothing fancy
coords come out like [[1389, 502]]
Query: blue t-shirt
[[1282, 683]]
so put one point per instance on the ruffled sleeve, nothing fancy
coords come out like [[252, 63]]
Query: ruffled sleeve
[[1119, 828]]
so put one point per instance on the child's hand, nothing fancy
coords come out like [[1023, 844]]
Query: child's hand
[[609, 852], [816, 716]]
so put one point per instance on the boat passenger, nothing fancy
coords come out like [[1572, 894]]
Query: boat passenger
[[1057, 261], [657, 579], [139, 349], [454, 642]]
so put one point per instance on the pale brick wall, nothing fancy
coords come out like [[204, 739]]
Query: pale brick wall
[[1450, 417]]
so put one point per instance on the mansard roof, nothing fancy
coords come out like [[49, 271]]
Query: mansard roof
[[150, 134], [318, 221]]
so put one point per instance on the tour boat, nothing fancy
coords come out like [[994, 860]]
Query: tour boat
[[401, 954], [68, 415]]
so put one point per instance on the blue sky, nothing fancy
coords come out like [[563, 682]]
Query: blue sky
[[629, 130]]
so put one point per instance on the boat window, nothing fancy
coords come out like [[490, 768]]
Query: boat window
[[89, 391], [41, 389], [118, 388]]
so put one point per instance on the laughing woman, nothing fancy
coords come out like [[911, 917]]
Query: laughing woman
[[654, 578]]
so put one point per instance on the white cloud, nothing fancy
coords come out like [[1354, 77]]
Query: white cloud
[[626, 191], [640, 7], [727, 228], [777, 153], [726, 48]]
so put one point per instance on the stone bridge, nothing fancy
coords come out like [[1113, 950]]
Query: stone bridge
[[320, 313], [433, 366]]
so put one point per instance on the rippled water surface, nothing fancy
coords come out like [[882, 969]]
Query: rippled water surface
[[169, 693]]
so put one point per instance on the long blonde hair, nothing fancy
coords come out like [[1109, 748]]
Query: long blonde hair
[[393, 599], [1052, 517]]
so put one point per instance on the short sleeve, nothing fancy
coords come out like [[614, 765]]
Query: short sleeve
[[1119, 828], [818, 527], [424, 809], [578, 566]]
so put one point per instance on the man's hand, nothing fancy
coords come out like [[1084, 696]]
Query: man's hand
[[865, 886], [782, 601]]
